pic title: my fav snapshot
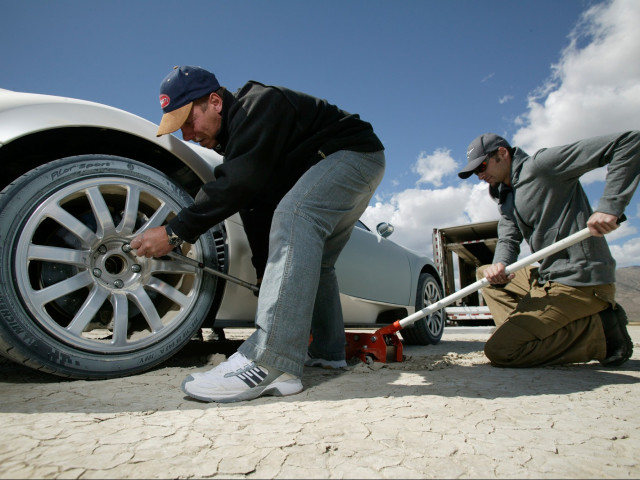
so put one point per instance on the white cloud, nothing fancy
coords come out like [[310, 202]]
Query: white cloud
[[488, 77], [505, 99], [595, 87], [432, 168], [627, 254], [415, 212], [593, 176], [624, 230]]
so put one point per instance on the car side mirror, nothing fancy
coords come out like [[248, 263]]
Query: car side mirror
[[384, 229]]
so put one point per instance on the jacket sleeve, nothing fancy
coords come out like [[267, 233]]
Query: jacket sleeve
[[509, 235], [620, 152], [509, 240], [253, 148], [622, 176]]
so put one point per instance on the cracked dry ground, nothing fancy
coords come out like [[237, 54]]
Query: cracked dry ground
[[444, 412]]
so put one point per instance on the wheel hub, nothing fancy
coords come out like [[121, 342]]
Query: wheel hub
[[113, 267]]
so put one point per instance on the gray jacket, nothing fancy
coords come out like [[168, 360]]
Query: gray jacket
[[547, 203]]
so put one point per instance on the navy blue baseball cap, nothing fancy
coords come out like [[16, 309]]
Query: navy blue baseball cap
[[480, 149], [178, 91]]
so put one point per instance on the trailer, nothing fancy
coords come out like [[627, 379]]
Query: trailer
[[472, 245]]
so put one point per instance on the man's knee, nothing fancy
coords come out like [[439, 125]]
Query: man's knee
[[509, 346], [498, 351]]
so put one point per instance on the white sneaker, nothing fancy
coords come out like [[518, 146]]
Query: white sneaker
[[321, 362], [239, 379]]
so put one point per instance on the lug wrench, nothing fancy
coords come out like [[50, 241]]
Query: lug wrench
[[194, 263], [213, 271]]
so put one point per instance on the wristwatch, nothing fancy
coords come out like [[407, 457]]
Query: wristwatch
[[174, 239]]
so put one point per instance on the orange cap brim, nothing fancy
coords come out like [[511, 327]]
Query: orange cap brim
[[174, 120]]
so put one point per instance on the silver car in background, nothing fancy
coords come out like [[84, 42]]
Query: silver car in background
[[80, 180]]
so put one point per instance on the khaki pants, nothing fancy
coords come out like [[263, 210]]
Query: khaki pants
[[545, 324]]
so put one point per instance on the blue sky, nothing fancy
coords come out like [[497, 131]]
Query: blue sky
[[429, 75]]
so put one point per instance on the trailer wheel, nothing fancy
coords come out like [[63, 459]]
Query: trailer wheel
[[427, 330]]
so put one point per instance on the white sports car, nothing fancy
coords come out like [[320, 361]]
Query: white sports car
[[81, 179]]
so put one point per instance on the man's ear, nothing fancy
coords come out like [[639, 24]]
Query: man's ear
[[503, 153], [215, 101]]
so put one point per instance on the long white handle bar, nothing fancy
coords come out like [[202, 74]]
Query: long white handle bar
[[534, 257]]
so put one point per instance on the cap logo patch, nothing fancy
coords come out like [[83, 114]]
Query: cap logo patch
[[164, 101], [469, 152]]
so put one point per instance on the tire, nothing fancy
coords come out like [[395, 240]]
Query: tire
[[72, 301], [427, 330]]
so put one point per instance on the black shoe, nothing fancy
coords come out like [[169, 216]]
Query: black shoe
[[619, 344]]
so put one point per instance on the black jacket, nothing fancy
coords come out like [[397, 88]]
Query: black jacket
[[270, 136]]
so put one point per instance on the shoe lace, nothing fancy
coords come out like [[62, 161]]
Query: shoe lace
[[235, 362]]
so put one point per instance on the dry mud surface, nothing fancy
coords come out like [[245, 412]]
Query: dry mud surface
[[444, 412]]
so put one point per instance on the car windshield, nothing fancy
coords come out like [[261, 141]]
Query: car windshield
[[362, 226]]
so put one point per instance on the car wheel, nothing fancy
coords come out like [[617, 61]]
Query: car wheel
[[73, 301], [427, 330]]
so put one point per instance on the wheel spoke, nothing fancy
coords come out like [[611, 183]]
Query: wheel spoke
[[128, 222], [88, 311], [431, 293], [148, 309], [174, 266], [100, 211], [60, 289], [158, 217], [120, 318], [168, 291], [71, 223], [58, 255]]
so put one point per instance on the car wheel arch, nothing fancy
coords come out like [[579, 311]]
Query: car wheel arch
[[24, 153]]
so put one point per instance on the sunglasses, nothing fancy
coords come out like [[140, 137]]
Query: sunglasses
[[480, 168], [483, 166]]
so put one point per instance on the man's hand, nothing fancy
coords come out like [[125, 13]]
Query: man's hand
[[600, 223], [496, 274], [152, 243]]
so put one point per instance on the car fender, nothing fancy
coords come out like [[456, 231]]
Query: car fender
[[23, 114]]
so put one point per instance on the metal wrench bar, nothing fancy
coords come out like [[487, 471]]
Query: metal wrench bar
[[194, 263], [212, 271]]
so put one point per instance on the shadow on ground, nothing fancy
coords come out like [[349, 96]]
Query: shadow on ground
[[449, 369]]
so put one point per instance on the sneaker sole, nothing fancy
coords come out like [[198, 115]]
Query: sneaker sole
[[277, 389]]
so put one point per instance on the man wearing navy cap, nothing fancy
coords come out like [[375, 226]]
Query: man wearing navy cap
[[563, 311], [295, 164]]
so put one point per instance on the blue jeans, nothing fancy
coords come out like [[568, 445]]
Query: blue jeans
[[299, 292]]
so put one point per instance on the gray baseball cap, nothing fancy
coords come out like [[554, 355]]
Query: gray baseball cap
[[480, 149]]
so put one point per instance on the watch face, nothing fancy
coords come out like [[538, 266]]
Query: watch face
[[174, 239]]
